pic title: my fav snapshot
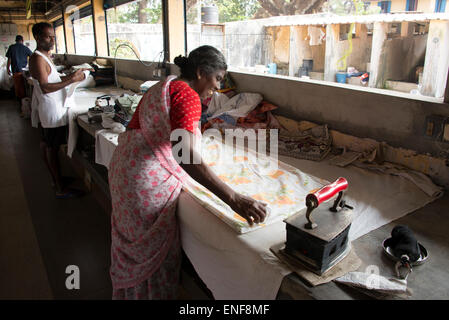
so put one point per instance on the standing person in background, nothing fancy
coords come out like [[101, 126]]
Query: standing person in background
[[17, 55], [49, 90]]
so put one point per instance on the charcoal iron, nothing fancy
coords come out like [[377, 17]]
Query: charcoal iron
[[320, 243]]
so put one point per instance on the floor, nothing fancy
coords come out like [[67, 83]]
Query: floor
[[39, 235]]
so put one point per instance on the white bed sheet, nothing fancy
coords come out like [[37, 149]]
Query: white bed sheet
[[242, 266]]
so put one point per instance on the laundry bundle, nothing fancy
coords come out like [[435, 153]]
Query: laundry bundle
[[312, 144], [303, 139], [243, 110]]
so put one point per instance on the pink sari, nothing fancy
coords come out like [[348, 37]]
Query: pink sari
[[145, 182]]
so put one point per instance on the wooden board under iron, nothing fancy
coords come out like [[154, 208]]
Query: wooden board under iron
[[329, 224]]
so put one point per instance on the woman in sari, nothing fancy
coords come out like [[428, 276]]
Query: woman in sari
[[145, 181]]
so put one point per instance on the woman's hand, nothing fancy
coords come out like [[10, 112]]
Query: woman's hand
[[252, 210]]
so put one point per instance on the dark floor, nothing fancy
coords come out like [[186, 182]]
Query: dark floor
[[39, 235]]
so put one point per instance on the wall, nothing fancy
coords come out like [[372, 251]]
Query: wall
[[400, 5], [246, 43], [8, 32], [403, 56], [426, 5], [396, 120], [147, 38], [361, 49]]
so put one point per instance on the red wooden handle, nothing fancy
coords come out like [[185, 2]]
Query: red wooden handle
[[327, 192]]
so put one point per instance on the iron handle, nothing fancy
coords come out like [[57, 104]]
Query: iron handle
[[327, 192]]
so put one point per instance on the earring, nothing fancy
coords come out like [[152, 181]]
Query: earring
[[199, 77]]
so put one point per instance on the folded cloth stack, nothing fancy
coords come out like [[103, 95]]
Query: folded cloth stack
[[244, 110], [303, 139], [125, 108], [312, 144], [128, 103]]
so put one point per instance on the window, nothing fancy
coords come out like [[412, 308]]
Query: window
[[385, 6], [411, 5], [136, 25], [329, 42], [60, 37], [440, 5], [83, 32]]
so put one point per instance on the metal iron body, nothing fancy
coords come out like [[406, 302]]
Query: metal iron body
[[320, 243]]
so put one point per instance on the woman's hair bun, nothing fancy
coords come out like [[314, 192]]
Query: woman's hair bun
[[181, 61]]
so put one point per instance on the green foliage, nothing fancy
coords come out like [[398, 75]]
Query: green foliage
[[236, 10], [228, 10], [123, 52], [351, 7], [129, 13]]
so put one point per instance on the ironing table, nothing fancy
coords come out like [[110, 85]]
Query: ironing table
[[237, 266]]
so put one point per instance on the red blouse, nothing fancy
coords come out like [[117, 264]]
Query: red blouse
[[185, 109]]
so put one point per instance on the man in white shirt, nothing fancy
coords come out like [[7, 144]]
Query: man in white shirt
[[51, 95]]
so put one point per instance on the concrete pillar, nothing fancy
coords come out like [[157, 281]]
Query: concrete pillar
[[378, 58], [270, 32], [299, 49], [437, 59], [293, 60], [330, 62], [99, 24], [407, 29], [69, 37], [176, 34]]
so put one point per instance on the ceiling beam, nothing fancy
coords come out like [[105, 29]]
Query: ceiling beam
[[12, 4]]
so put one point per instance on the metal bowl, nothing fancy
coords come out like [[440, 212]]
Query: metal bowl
[[421, 260]]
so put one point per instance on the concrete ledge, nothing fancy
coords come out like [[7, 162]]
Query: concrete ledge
[[348, 87]]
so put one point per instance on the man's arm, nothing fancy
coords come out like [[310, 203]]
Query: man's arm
[[39, 71], [8, 66]]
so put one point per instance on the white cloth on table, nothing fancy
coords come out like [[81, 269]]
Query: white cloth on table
[[243, 267], [83, 100], [376, 282], [105, 144]]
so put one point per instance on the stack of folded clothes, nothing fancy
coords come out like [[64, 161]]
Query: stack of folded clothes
[[125, 106], [103, 73]]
